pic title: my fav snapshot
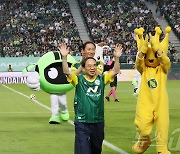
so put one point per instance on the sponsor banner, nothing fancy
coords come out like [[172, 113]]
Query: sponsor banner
[[19, 63], [126, 75], [19, 78], [13, 77]]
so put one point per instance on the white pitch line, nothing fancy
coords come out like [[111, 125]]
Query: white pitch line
[[111, 146], [108, 144]]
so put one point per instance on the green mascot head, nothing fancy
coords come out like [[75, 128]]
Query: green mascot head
[[52, 78]]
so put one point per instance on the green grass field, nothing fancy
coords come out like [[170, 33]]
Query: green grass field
[[24, 126]]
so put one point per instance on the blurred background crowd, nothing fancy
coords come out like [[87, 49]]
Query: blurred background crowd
[[33, 27]]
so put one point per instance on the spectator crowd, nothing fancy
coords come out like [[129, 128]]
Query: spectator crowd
[[114, 21], [171, 11], [34, 27]]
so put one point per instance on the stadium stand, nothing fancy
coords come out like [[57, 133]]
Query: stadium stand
[[115, 20], [171, 11], [34, 27], [31, 28]]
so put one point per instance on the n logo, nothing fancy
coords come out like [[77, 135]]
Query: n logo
[[152, 83], [93, 90]]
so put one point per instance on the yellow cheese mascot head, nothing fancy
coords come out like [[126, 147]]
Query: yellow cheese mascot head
[[151, 45]]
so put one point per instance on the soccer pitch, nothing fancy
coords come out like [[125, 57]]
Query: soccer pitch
[[24, 126]]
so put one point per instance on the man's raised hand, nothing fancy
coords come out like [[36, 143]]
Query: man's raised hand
[[64, 50], [118, 50]]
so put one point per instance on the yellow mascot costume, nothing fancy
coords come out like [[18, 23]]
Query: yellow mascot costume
[[152, 104]]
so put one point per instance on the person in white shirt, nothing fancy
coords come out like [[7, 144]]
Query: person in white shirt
[[136, 82]]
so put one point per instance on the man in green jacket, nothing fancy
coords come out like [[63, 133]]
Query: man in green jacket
[[89, 102]]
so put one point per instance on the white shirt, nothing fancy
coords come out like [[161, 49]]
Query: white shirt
[[99, 52]]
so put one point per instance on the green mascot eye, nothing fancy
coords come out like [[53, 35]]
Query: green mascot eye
[[100, 66], [53, 73], [52, 78]]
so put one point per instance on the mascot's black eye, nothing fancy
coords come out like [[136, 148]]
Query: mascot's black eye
[[144, 56], [156, 55], [53, 73], [37, 68]]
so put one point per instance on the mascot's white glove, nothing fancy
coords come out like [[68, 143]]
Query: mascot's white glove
[[33, 81]]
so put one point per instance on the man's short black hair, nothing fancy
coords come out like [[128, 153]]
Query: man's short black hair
[[88, 42], [84, 61]]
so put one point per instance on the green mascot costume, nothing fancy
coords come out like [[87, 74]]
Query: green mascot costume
[[49, 77]]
